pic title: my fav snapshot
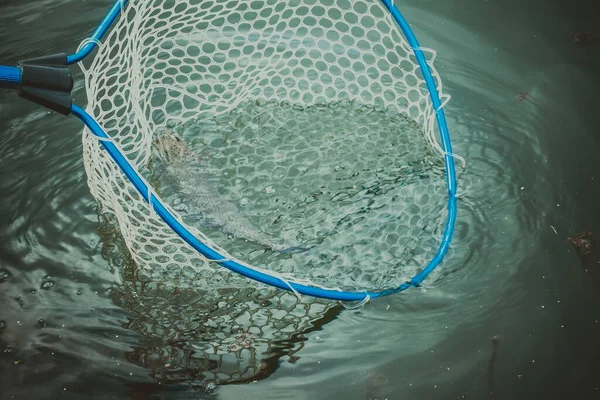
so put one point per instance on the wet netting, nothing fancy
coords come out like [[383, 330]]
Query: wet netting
[[301, 144], [296, 139], [193, 336]]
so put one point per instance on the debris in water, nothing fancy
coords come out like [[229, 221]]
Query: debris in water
[[585, 38], [584, 244], [554, 229], [9, 351], [375, 383], [521, 96], [47, 285], [4, 275]]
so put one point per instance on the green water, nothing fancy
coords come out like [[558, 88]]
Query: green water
[[78, 320], [356, 187]]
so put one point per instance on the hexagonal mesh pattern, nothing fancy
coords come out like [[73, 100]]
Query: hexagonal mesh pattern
[[265, 77]]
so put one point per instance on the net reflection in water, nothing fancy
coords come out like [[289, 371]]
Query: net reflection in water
[[202, 338]]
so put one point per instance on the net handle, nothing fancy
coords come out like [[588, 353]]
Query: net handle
[[10, 78]]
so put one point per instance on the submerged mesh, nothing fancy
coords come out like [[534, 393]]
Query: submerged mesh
[[263, 77], [198, 337]]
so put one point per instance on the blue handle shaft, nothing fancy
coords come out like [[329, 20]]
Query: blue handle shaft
[[10, 77]]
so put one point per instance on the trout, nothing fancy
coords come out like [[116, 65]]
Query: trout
[[203, 199]]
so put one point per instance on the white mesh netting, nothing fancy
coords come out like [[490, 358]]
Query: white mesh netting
[[303, 124]]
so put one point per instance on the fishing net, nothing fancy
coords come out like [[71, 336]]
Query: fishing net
[[295, 137], [202, 338]]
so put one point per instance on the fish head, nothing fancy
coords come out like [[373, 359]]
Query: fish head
[[169, 147]]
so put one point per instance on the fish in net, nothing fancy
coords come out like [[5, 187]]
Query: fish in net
[[198, 197], [353, 188]]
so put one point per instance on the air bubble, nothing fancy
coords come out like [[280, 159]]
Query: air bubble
[[210, 386], [4, 275], [9, 351], [47, 285]]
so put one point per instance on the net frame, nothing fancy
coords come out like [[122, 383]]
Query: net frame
[[203, 245]]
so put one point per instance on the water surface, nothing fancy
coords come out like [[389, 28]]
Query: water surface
[[78, 322]]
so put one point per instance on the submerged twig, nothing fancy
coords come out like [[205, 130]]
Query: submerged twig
[[490, 372]]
